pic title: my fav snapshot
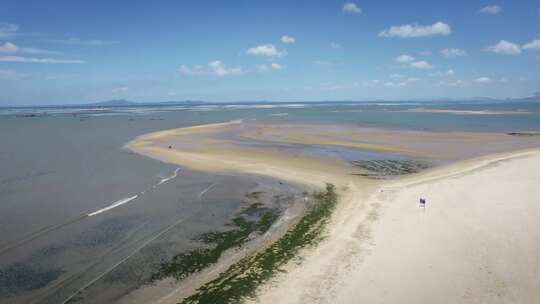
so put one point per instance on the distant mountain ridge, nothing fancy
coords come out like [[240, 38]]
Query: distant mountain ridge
[[114, 102], [123, 102], [127, 103], [533, 98]]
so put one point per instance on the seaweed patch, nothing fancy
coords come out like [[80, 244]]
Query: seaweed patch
[[242, 279], [253, 220], [389, 167]]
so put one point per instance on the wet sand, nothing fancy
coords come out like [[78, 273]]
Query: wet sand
[[333, 265]]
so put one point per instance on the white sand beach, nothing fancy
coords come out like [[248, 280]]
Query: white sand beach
[[477, 241]]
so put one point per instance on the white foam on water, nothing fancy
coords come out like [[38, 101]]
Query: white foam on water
[[114, 205], [166, 179]]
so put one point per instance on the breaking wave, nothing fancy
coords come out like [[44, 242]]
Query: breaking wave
[[114, 205], [166, 179]]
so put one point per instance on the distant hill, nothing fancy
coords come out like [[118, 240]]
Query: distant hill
[[113, 103], [534, 98], [480, 100], [123, 102]]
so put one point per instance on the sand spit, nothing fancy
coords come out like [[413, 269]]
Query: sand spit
[[470, 112], [198, 148], [380, 247]]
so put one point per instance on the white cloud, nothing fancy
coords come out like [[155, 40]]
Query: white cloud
[[399, 84], [352, 8], [504, 47], [8, 30], [335, 45], [266, 68], [533, 45], [409, 60], [324, 63], [171, 93], [402, 82], [443, 74], [12, 75], [8, 75], [262, 68], [37, 60], [372, 83], [216, 68], [421, 65], [11, 48], [334, 87], [404, 59], [221, 69], [120, 90], [454, 83], [91, 42], [36, 51], [415, 30], [287, 39], [276, 66], [483, 80], [8, 47], [453, 52], [268, 50], [491, 10], [393, 84]]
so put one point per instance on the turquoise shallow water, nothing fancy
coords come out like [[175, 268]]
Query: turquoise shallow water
[[62, 163]]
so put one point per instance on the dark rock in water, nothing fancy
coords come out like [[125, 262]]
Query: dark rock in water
[[523, 134], [30, 115], [389, 167]]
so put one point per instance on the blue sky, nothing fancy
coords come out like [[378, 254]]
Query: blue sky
[[55, 52]]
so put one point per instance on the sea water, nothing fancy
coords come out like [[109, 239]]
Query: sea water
[[80, 212]]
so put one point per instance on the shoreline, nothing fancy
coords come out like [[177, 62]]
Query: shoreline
[[355, 213]]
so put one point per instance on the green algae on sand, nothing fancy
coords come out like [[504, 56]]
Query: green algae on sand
[[242, 279], [254, 219]]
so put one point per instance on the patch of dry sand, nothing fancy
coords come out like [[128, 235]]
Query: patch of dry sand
[[477, 241]]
